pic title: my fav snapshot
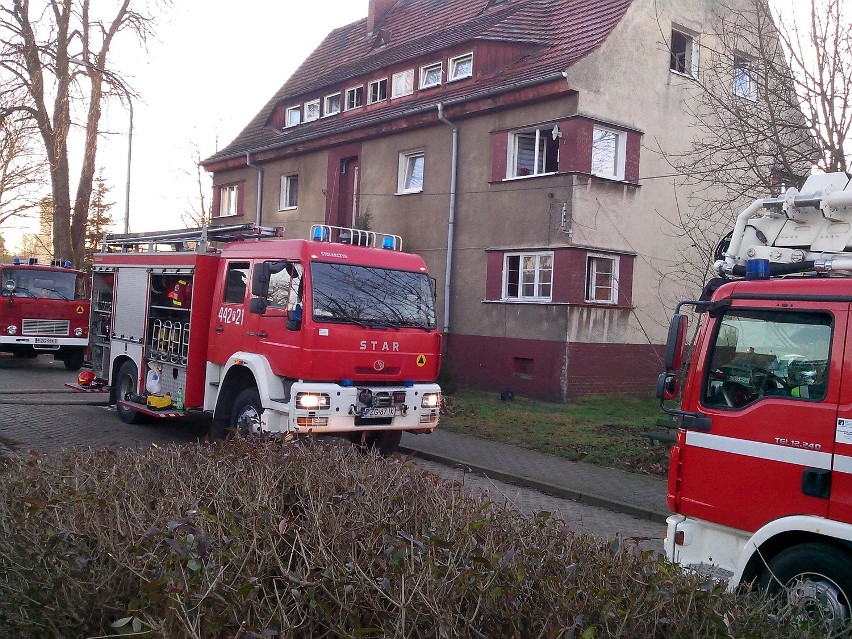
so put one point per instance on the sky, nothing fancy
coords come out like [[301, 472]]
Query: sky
[[209, 70]]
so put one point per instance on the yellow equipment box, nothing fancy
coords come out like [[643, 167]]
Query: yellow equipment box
[[159, 401]]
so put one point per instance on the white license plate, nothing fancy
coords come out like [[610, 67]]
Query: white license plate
[[46, 340], [388, 411]]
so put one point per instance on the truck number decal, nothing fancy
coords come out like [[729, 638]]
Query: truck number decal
[[229, 315]]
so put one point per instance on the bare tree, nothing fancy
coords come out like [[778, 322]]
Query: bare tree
[[197, 212], [45, 46], [22, 168], [771, 101]]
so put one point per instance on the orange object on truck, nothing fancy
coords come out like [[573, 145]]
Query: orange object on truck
[[332, 334]]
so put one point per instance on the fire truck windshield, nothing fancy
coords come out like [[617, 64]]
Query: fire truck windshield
[[57, 284], [371, 296]]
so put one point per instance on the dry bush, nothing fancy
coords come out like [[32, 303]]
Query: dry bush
[[266, 539]]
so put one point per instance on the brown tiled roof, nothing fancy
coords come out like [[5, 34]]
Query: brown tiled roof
[[556, 34]]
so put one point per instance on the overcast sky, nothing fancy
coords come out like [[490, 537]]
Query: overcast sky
[[208, 72]]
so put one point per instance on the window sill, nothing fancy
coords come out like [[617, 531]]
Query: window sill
[[288, 208], [465, 77], [331, 115], [221, 217], [429, 86], [527, 177], [688, 76], [412, 192]]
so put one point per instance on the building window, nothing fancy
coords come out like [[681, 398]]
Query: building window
[[294, 116], [528, 276], [402, 83], [378, 91], [684, 53], [289, 192], [532, 153], [602, 279], [312, 110], [332, 105], [608, 153], [461, 67], [430, 75], [744, 83], [411, 172], [354, 97], [229, 200]]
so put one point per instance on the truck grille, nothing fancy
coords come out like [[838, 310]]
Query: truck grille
[[45, 327]]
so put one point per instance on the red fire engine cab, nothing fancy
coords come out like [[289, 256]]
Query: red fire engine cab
[[333, 334], [44, 309], [760, 481]]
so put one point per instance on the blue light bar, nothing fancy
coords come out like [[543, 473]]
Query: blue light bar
[[388, 243], [16, 261]]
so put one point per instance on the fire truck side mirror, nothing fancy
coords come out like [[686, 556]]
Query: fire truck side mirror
[[260, 281], [675, 342], [258, 305]]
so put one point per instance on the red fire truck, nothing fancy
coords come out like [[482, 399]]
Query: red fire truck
[[333, 334], [44, 309], [760, 481]]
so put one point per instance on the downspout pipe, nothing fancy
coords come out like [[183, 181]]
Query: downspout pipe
[[259, 170], [454, 161]]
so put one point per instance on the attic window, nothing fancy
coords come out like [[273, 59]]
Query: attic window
[[461, 67], [312, 110], [354, 97], [382, 39], [378, 91], [402, 83], [294, 116]]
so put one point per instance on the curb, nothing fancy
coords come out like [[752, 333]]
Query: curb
[[582, 497]]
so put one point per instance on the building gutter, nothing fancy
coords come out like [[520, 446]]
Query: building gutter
[[259, 170], [452, 215]]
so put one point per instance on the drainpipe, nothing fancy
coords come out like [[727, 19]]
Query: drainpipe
[[259, 187], [452, 218]]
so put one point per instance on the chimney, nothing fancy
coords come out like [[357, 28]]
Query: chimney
[[377, 11]]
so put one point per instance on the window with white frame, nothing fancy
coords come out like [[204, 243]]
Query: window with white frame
[[684, 52], [354, 97], [294, 116], [744, 83], [528, 276], [228, 200], [608, 153], [312, 110], [332, 105], [430, 75], [411, 167], [602, 279], [534, 152], [377, 91], [289, 192], [402, 83], [461, 67]]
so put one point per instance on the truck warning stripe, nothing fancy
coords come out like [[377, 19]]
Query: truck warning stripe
[[760, 450]]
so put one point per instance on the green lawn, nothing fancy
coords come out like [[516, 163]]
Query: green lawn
[[607, 431]]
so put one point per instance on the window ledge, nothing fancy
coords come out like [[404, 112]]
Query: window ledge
[[689, 76], [288, 208], [617, 307], [412, 192], [528, 177], [218, 217]]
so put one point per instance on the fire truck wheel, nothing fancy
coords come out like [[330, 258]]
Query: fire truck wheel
[[245, 417], [74, 360], [818, 582], [384, 441], [126, 382]]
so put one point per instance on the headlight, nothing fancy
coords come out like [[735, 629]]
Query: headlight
[[78, 332], [12, 329], [431, 400], [312, 401]]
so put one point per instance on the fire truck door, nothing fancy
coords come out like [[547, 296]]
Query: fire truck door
[[229, 333], [771, 385], [279, 330], [840, 506]]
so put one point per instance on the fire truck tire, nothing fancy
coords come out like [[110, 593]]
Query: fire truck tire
[[384, 441], [126, 382], [74, 360], [245, 416], [818, 578]]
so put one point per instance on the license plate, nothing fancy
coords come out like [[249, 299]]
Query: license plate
[[388, 411], [46, 340]]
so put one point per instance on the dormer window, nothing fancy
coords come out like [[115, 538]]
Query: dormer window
[[294, 116], [430, 75], [312, 110], [354, 98], [460, 67], [377, 91], [402, 84]]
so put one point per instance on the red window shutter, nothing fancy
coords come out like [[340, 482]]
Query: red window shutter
[[499, 148]]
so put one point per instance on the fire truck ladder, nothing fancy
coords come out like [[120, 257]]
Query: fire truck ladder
[[192, 240]]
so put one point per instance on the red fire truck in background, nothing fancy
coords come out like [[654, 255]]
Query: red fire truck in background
[[760, 481], [44, 310], [335, 334]]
